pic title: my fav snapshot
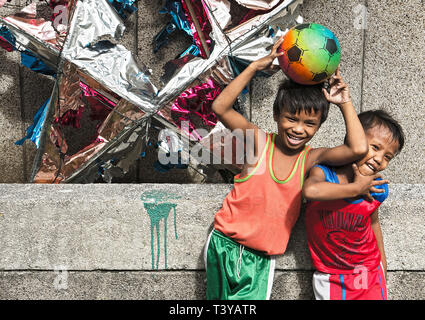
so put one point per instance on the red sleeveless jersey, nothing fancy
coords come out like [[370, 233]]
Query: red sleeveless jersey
[[260, 211], [339, 233]]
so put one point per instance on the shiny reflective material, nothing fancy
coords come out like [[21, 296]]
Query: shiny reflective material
[[98, 75], [258, 4], [111, 65]]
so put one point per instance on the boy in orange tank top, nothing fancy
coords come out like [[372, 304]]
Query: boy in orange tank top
[[257, 216]]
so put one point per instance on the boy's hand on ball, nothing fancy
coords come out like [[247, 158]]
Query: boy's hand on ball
[[339, 93], [265, 62]]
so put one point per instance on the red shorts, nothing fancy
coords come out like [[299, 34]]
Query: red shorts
[[364, 285]]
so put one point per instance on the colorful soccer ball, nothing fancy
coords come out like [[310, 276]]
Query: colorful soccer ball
[[311, 53]]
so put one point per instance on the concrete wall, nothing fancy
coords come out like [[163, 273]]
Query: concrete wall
[[382, 63], [101, 238], [102, 234]]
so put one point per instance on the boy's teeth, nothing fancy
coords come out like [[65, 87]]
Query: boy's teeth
[[371, 168], [294, 138]]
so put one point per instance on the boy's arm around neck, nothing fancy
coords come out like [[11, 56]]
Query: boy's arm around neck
[[316, 188]]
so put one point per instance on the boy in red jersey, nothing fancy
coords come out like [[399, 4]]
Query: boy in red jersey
[[257, 216], [343, 230]]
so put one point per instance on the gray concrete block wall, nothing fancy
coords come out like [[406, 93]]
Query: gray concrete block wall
[[171, 285], [383, 64], [12, 128], [394, 77], [107, 248]]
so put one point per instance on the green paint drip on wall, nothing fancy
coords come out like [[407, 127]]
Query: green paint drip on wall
[[157, 212]]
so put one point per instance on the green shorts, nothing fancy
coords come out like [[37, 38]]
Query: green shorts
[[235, 272]]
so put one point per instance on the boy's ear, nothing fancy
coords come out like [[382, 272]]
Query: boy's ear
[[275, 117]]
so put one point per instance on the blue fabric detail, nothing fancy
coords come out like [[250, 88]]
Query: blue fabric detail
[[179, 22], [123, 7], [380, 283], [330, 176], [7, 35], [380, 196], [34, 131], [35, 64], [342, 286]]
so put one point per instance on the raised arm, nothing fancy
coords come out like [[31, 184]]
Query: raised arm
[[316, 188], [355, 145], [223, 104]]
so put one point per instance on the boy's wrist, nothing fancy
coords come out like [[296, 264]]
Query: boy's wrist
[[253, 66], [345, 104], [356, 189]]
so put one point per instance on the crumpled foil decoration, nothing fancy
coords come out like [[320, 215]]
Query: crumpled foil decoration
[[178, 22], [94, 74], [196, 100], [34, 131], [259, 5], [123, 7]]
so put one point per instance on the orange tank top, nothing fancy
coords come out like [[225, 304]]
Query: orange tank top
[[260, 211]]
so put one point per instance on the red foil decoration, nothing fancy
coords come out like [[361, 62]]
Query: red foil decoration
[[71, 118], [202, 16], [100, 106], [53, 4], [253, 13], [6, 45], [196, 100]]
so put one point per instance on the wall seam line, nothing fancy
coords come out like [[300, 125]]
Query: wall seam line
[[364, 34]]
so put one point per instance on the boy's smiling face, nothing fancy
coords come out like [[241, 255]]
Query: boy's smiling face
[[382, 149], [295, 130]]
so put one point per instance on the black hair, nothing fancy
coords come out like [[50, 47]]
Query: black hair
[[294, 98], [372, 118]]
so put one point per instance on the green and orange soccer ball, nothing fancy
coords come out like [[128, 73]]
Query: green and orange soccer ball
[[311, 53]]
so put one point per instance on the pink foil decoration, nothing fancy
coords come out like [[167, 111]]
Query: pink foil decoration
[[53, 4], [259, 4], [71, 118], [6, 45], [196, 100], [100, 106], [202, 17], [27, 21], [89, 92], [253, 13], [70, 108]]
